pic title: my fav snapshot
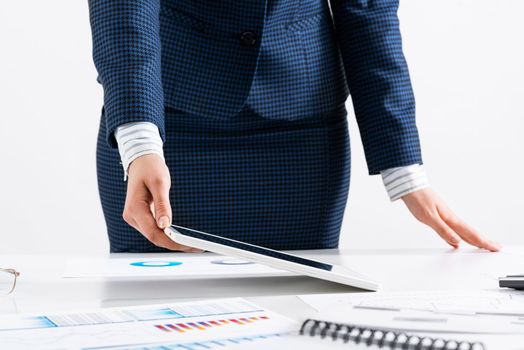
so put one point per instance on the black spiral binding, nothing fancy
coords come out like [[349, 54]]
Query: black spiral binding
[[382, 338]]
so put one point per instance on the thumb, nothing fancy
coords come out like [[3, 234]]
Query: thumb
[[160, 192]]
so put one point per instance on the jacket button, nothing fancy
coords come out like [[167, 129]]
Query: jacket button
[[248, 38]]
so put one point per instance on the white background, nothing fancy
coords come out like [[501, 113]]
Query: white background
[[466, 61]]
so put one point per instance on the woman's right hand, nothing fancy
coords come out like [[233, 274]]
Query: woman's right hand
[[147, 206]]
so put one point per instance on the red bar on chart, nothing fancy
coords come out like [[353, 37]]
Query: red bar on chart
[[162, 328], [172, 326]]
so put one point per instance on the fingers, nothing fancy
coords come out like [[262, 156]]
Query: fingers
[[137, 213], [468, 233], [428, 208], [140, 216], [444, 231], [159, 188], [147, 199]]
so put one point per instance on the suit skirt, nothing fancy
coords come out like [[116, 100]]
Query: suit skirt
[[281, 184]]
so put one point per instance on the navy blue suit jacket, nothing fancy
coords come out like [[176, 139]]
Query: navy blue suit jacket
[[290, 58]]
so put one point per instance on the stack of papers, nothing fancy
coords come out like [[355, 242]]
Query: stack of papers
[[220, 324]]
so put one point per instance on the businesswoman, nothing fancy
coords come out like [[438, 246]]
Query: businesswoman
[[229, 117]]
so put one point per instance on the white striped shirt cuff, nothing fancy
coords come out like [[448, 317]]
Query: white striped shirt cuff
[[400, 181], [137, 139]]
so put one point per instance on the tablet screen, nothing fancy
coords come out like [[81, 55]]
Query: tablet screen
[[253, 248]]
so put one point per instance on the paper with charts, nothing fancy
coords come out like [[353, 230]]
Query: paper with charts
[[183, 266], [487, 312], [218, 324]]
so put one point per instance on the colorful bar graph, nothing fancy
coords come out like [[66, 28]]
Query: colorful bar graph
[[203, 325], [175, 328], [162, 328], [194, 325], [183, 325]]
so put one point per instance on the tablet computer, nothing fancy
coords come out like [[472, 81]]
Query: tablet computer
[[269, 257]]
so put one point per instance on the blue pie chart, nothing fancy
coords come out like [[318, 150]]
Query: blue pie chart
[[156, 263]]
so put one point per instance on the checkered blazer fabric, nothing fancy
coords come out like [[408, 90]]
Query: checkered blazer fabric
[[254, 130], [275, 183], [377, 75], [307, 56]]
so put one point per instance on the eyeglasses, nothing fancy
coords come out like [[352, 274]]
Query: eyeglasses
[[8, 281]]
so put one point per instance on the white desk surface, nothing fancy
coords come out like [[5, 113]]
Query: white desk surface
[[41, 287]]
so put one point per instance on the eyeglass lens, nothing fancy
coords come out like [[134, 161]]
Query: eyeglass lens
[[7, 282]]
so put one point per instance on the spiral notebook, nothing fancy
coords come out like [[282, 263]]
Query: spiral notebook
[[380, 338]]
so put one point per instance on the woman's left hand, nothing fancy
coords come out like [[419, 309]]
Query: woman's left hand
[[428, 208]]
